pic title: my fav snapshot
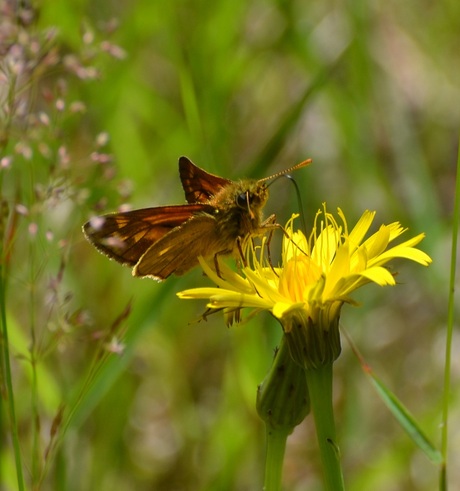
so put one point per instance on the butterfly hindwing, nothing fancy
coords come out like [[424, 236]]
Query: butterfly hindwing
[[178, 251]]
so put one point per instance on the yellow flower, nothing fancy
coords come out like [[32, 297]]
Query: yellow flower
[[317, 274]]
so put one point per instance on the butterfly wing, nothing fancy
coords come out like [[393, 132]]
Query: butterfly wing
[[178, 251], [199, 186], [126, 236]]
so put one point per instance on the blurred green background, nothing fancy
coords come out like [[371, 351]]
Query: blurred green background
[[369, 90]]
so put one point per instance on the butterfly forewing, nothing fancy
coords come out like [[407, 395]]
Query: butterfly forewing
[[126, 236], [199, 185]]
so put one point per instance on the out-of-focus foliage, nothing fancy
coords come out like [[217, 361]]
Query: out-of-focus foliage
[[116, 386]]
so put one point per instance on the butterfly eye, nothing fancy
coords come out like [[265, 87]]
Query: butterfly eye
[[242, 200]]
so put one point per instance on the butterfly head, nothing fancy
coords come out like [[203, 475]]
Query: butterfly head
[[252, 198]]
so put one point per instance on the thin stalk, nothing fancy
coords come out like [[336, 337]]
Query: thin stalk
[[9, 382], [450, 329], [282, 403], [320, 389], [276, 446], [36, 458]]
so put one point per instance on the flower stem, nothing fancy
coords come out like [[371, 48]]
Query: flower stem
[[320, 388], [282, 403], [276, 445]]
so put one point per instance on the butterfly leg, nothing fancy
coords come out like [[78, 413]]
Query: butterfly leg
[[216, 261], [216, 265], [239, 245], [269, 225], [269, 256]]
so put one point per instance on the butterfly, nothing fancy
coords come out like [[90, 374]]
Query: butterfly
[[219, 216]]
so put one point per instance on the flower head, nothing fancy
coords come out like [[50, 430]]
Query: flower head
[[317, 274]]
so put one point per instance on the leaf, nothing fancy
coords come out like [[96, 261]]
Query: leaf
[[406, 420]]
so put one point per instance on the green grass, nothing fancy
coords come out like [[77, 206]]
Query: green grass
[[367, 90]]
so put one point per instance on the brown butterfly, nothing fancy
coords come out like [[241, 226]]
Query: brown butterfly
[[157, 242]]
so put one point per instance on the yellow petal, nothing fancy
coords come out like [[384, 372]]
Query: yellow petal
[[379, 275], [395, 230], [326, 246], [282, 308], [402, 252], [199, 292], [340, 268], [361, 228], [377, 242], [227, 278], [235, 299]]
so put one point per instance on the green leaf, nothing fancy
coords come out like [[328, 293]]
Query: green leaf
[[406, 420]]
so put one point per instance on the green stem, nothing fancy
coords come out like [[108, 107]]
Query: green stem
[[447, 390], [282, 403], [276, 445], [320, 388], [6, 371]]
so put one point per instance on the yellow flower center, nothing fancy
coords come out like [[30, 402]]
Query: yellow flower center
[[298, 276]]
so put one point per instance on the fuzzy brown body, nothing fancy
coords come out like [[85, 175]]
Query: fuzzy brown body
[[158, 242], [233, 221]]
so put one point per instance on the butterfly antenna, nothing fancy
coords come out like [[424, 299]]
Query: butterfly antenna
[[286, 174], [286, 171]]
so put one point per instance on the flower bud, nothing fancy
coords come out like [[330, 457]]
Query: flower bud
[[282, 398]]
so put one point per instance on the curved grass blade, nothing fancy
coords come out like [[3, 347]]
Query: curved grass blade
[[406, 420], [399, 411]]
